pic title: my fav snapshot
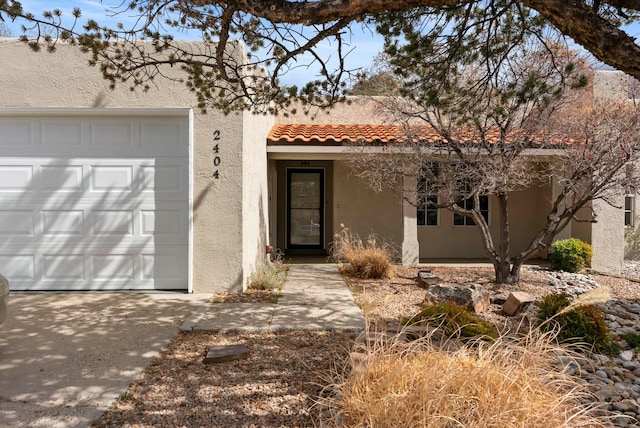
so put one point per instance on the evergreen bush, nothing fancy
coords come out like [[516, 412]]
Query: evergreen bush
[[570, 255]]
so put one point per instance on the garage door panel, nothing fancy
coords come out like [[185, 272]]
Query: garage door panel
[[61, 178], [112, 177], [63, 222], [65, 133], [165, 266], [63, 267], [162, 178], [112, 223], [134, 268], [16, 133], [47, 179], [16, 178], [162, 134], [112, 133], [113, 266], [94, 203], [18, 267], [17, 223], [166, 223]]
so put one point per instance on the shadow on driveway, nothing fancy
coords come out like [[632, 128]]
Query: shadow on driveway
[[64, 358]]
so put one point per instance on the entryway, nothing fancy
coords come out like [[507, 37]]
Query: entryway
[[305, 208]]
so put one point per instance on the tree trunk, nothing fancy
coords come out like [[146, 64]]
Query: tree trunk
[[502, 264], [502, 270]]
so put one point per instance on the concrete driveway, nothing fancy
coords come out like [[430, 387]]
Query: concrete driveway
[[64, 358]]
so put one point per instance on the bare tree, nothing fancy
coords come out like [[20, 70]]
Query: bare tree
[[494, 125], [284, 34], [4, 30]]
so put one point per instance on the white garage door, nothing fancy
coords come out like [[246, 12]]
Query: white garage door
[[94, 200]]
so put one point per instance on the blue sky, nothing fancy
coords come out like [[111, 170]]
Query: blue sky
[[364, 46]]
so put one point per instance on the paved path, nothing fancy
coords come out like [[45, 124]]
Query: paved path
[[314, 297]]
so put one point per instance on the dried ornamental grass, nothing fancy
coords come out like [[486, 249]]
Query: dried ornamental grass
[[510, 382], [369, 259], [268, 276]]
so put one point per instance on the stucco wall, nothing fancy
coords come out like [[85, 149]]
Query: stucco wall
[[63, 79], [607, 235], [610, 85], [358, 110], [527, 210], [255, 195], [363, 210]]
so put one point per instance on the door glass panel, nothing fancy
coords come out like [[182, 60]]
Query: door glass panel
[[305, 208]]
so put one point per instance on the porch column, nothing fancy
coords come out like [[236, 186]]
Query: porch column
[[410, 245], [607, 235], [556, 189]]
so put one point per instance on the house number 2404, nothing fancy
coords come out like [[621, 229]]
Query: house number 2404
[[216, 154]]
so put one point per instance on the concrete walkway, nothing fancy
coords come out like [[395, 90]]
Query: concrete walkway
[[65, 357], [314, 297]]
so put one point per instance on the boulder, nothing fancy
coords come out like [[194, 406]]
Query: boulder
[[470, 296], [426, 278], [515, 301]]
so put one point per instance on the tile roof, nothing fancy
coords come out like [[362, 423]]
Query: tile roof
[[337, 135]]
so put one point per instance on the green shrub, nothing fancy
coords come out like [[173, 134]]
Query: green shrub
[[454, 320], [632, 339], [584, 324], [570, 255]]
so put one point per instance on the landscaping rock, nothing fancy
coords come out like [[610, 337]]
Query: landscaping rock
[[471, 296], [220, 354], [515, 301], [426, 279]]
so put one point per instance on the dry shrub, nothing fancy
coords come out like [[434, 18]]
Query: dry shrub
[[369, 259], [510, 382], [269, 276]]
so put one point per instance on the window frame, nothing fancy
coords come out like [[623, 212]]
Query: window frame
[[422, 211], [468, 204], [630, 211]]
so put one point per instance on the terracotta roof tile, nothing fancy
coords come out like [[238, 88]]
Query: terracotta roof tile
[[336, 135]]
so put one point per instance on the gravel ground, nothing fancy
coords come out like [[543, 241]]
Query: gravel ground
[[276, 386], [280, 381]]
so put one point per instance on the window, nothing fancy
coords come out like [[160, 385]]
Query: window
[[427, 215], [629, 208], [460, 220]]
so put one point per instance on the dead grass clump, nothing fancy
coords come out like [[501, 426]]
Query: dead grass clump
[[369, 259], [268, 276], [510, 382]]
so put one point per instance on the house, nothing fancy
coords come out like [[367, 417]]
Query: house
[[121, 190]]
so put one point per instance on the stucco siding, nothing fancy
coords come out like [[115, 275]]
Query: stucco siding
[[607, 236], [358, 110], [527, 211], [363, 210], [255, 196]]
